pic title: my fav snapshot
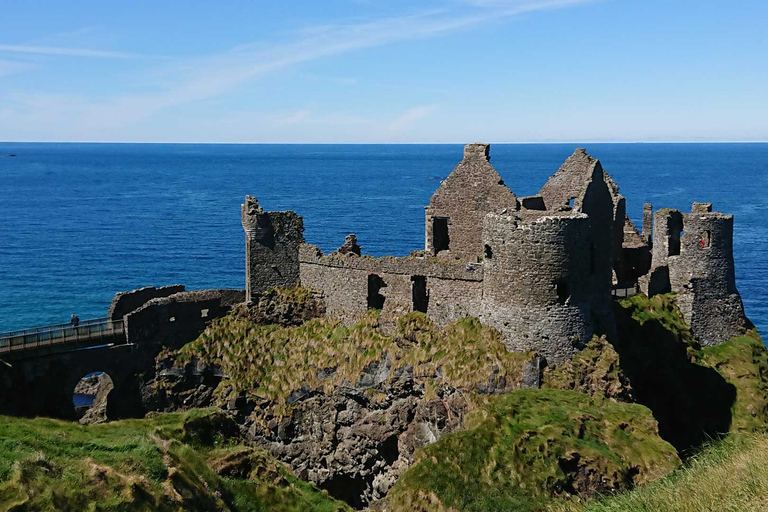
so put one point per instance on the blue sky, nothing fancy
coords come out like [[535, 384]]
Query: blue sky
[[384, 71]]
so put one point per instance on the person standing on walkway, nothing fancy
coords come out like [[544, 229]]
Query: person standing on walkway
[[75, 321]]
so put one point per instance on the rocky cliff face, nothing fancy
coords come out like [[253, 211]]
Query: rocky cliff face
[[345, 406]]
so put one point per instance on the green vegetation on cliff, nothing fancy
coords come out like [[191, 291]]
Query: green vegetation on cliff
[[743, 362], [729, 475], [695, 393], [527, 446], [172, 462], [271, 361]]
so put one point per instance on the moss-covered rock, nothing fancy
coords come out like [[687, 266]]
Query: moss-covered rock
[[596, 371], [529, 446], [695, 393], [284, 306]]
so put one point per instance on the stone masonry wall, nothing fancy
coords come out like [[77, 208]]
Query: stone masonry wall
[[125, 302], [271, 248], [453, 289], [536, 288], [180, 318], [473, 189]]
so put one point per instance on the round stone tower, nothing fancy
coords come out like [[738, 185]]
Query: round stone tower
[[538, 275], [695, 250]]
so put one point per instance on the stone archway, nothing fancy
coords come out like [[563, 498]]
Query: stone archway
[[91, 396]]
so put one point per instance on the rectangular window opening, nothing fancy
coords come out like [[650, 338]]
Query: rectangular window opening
[[440, 239]]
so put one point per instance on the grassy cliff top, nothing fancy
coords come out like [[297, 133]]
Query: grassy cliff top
[[172, 462], [271, 361]]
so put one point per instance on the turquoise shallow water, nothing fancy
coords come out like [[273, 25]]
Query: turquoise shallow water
[[79, 222]]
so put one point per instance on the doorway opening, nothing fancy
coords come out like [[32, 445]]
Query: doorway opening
[[419, 293], [375, 297]]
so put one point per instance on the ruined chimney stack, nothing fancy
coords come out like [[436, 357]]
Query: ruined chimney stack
[[476, 151], [647, 221]]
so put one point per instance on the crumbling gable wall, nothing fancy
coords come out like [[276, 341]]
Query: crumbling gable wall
[[445, 290], [537, 285], [473, 189], [694, 253], [271, 248], [566, 186]]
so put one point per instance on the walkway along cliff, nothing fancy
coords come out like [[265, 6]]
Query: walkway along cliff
[[541, 269]]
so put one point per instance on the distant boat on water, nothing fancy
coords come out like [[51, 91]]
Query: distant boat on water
[[9, 154]]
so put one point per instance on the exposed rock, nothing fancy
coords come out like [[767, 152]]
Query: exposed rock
[[99, 386], [355, 443], [281, 306], [596, 371], [176, 388]]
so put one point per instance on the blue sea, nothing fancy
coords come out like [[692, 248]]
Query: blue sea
[[80, 222]]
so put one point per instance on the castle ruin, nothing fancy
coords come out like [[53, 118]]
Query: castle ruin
[[541, 269]]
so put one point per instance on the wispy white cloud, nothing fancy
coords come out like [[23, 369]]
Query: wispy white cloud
[[67, 52], [198, 79]]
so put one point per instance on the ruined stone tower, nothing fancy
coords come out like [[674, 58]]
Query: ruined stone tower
[[693, 257], [537, 287], [454, 217], [271, 248]]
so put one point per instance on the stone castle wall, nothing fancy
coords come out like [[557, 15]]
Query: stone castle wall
[[452, 289], [271, 248], [125, 302], [178, 319]]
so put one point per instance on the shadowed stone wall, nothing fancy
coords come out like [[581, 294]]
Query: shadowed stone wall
[[125, 302], [176, 320]]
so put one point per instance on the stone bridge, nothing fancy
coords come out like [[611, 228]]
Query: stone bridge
[[40, 367]]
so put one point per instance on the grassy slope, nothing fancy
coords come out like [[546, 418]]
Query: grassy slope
[[730, 475], [164, 464], [272, 361], [743, 361], [529, 445]]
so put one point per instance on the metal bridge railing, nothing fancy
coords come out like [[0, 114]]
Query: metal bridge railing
[[86, 331]]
